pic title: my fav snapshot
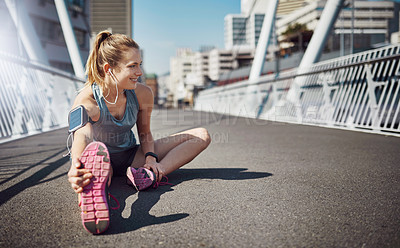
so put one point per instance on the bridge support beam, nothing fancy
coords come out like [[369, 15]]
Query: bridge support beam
[[26, 31], [321, 33], [314, 50], [264, 40], [70, 39]]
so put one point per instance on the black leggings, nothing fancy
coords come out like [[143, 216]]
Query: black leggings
[[120, 161]]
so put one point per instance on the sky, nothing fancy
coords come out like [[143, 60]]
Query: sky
[[162, 26]]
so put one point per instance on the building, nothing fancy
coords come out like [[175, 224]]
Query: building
[[200, 72], [235, 31], [243, 30], [180, 67], [152, 82], [165, 96], [285, 7], [222, 61], [115, 16], [255, 22], [374, 22], [42, 15], [195, 70]]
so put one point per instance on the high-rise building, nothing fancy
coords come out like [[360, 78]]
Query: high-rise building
[[241, 31], [115, 16], [235, 31], [254, 26]]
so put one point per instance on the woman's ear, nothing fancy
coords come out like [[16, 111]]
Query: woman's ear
[[107, 68]]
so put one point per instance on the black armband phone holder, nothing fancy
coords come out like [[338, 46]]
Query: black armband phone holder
[[77, 118]]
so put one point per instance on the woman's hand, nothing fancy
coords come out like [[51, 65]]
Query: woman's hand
[[78, 178], [156, 168]]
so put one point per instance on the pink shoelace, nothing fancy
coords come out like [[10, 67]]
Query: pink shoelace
[[157, 184], [116, 201]]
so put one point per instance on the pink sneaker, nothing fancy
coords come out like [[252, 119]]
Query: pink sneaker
[[94, 198], [141, 178]]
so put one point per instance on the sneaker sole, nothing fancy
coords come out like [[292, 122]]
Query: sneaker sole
[[94, 198]]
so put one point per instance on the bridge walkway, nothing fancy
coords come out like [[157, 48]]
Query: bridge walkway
[[259, 184]]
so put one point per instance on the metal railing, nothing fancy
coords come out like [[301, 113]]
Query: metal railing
[[357, 92], [33, 98]]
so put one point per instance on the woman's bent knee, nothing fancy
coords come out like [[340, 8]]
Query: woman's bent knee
[[204, 136]]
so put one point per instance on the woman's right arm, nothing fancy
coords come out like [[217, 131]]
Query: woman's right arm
[[77, 176]]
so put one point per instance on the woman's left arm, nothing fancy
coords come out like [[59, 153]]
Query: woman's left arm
[[146, 102]]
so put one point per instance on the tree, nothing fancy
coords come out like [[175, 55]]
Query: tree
[[295, 28]]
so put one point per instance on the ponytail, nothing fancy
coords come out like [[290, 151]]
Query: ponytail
[[93, 65], [107, 48]]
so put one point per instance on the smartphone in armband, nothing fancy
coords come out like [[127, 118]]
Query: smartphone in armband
[[77, 118]]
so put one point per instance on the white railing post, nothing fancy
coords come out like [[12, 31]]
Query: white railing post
[[314, 51], [327, 108], [34, 98], [356, 92], [373, 103]]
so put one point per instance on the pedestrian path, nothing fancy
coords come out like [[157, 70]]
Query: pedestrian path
[[259, 184]]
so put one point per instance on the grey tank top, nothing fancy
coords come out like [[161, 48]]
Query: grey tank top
[[116, 134]]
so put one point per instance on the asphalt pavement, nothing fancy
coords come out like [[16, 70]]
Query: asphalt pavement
[[258, 184]]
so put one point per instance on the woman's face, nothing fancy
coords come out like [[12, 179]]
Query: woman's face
[[129, 70]]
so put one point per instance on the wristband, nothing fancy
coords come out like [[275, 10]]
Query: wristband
[[151, 154]]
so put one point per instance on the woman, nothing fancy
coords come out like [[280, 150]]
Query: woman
[[115, 101]]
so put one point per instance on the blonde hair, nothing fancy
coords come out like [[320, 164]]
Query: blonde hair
[[107, 48]]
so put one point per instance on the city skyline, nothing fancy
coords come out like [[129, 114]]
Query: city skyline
[[160, 27]]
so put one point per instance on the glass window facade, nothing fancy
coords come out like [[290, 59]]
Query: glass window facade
[[239, 31]]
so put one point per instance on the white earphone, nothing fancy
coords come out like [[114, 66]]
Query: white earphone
[[116, 87]]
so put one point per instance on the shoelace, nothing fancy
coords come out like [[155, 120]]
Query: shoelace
[[116, 201], [157, 184]]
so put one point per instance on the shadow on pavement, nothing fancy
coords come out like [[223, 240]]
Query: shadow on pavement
[[33, 180], [30, 153], [140, 216], [4, 166]]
